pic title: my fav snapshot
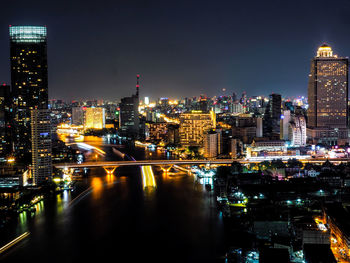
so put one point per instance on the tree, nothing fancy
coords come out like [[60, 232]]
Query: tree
[[294, 163], [223, 172], [236, 167]]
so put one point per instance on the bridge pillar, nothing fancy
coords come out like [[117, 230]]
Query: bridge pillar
[[110, 169], [166, 168]]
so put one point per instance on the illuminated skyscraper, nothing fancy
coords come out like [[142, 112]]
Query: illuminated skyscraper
[[328, 98], [29, 79], [193, 127], [94, 118]]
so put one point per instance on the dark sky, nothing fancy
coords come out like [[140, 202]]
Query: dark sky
[[180, 48]]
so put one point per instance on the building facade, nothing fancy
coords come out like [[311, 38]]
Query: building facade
[[94, 118], [211, 144], [328, 97], [193, 126], [5, 121], [41, 146]]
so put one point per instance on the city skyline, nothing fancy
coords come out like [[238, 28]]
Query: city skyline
[[173, 36]]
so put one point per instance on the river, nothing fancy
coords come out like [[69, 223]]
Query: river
[[114, 218]]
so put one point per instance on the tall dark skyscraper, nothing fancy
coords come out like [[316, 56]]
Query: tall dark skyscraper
[[328, 98], [129, 121], [29, 80], [272, 116]]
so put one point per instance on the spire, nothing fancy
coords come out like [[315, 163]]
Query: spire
[[137, 84]]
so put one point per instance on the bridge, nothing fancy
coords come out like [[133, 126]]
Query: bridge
[[164, 163], [112, 164]]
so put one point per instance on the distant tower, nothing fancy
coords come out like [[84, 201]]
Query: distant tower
[[328, 97], [137, 84], [129, 121]]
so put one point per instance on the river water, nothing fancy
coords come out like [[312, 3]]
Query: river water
[[115, 219]]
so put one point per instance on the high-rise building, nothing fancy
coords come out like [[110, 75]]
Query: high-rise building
[[272, 116], [94, 118], [328, 97], [41, 146], [193, 126], [5, 121], [129, 121], [77, 116], [211, 144], [297, 131], [29, 80]]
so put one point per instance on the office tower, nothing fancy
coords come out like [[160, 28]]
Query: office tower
[[272, 116], [211, 144], [193, 126], [94, 118], [129, 121], [41, 146], [77, 116], [5, 121], [328, 97], [29, 80]]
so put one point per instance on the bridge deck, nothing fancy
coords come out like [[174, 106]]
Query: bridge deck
[[179, 162]]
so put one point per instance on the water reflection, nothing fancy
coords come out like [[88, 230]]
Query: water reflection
[[148, 179], [97, 187]]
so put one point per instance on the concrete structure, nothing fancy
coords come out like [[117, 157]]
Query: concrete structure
[[328, 98], [41, 146]]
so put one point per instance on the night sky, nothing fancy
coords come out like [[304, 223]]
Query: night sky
[[180, 48]]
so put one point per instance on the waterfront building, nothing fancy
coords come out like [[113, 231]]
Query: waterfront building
[[41, 146], [328, 98], [29, 80], [194, 125], [94, 118]]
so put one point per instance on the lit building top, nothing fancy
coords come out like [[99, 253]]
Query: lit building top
[[325, 51], [28, 34]]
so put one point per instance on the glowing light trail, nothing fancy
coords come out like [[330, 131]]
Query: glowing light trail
[[14, 242]]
